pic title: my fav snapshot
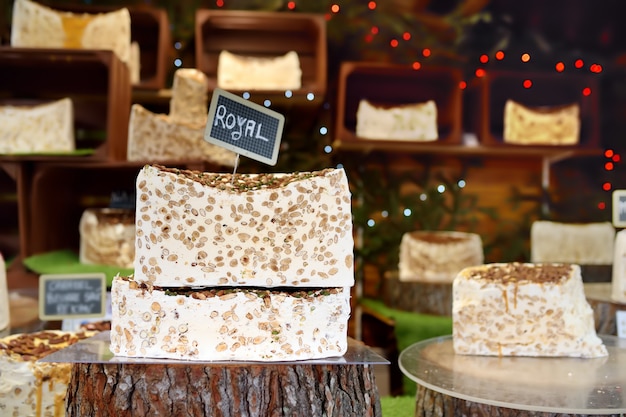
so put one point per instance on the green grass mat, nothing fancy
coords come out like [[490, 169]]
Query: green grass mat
[[67, 262], [402, 406], [411, 328]]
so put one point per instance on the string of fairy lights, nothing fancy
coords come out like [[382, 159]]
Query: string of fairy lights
[[611, 157]]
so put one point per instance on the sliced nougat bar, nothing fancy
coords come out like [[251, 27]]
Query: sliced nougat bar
[[245, 324], [523, 309], [264, 230]]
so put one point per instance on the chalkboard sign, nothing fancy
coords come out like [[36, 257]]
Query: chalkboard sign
[[244, 127], [619, 208], [75, 295]]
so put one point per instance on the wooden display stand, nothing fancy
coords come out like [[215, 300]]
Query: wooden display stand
[[96, 81], [392, 85], [264, 35], [417, 297], [604, 308], [53, 192], [451, 385], [103, 385], [150, 28], [489, 96], [135, 390]]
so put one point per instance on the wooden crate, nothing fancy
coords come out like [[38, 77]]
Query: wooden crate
[[150, 28], [263, 34], [96, 81], [548, 89], [392, 85]]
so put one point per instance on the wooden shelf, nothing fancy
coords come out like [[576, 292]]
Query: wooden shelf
[[53, 192], [263, 34], [367, 146], [96, 81]]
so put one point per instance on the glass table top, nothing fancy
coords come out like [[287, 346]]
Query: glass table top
[[559, 385], [96, 350]]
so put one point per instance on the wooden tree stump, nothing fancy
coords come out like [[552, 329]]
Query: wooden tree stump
[[417, 297], [221, 390], [430, 403], [604, 309]]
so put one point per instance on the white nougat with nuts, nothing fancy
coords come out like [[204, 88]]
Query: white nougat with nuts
[[523, 309], [236, 324], [252, 268], [267, 230], [437, 256]]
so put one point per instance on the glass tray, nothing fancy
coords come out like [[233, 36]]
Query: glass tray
[[555, 385], [96, 350]]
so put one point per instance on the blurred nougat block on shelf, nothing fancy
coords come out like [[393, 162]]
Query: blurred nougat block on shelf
[[580, 243], [178, 135], [35, 25], [39, 128]]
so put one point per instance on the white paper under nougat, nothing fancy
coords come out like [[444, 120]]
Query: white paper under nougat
[[262, 230]]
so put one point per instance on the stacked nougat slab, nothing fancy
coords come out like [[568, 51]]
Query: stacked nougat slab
[[256, 267]]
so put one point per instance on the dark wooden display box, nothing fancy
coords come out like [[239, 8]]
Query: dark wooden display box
[[53, 192], [150, 28], [548, 89], [393, 85], [265, 35], [97, 82]]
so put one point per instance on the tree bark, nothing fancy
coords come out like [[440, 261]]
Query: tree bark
[[430, 403], [173, 390], [417, 297]]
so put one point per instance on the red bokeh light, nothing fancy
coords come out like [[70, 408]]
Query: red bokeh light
[[609, 166], [291, 5], [393, 43], [374, 30], [606, 186], [406, 36], [371, 5], [334, 8], [609, 153], [499, 55], [462, 85], [579, 63], [484, 58], [602, 205], [426, 52], [480, 72], [616, 158], [527, 83], [416, 65], [586, 91], [560, 67]]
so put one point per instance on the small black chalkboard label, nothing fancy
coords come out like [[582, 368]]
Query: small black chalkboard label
[[244, 127], [74, 295]]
